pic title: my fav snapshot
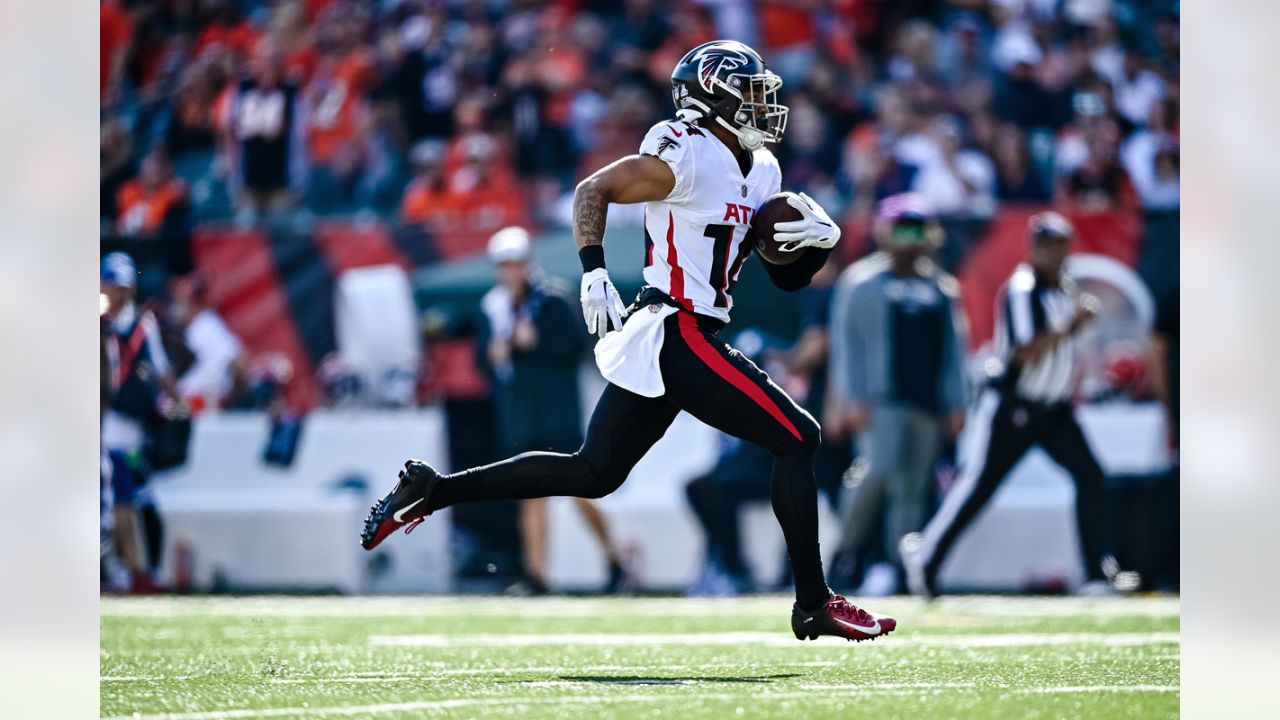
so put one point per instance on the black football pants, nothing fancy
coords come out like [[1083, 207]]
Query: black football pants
[[1016, 427], [712, 382]]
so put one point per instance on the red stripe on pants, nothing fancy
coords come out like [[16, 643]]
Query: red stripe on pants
[[719, 365]]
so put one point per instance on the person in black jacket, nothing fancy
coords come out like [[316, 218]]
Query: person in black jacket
[[531, 346]]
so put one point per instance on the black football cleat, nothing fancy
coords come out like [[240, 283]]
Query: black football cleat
[[405, 506], [840, 618]]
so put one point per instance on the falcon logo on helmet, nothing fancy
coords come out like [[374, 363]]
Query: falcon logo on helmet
[[715, 60], [726, 82]]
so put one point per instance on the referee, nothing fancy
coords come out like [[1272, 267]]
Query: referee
[[1039, 312]]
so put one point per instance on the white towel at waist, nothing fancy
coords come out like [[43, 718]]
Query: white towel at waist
[[628, 357]]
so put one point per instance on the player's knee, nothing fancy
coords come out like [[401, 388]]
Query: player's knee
[[810, 432], [604, 482], [807, 436], [603, 479]]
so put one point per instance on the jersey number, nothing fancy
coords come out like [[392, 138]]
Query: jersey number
[[723, 277]]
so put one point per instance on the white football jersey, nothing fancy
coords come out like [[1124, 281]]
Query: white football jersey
[[695, 239]]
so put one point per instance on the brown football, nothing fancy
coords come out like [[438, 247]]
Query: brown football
[[774, 210]]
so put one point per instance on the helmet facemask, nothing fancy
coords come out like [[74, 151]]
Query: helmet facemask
[[759, 118]]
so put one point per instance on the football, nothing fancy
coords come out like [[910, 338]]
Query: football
[[774, 210]]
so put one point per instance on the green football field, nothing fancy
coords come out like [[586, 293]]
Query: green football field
[[967, 657]]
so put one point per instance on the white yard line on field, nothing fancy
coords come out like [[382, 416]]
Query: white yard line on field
[[1096, 689], [973, 686], [437, 670], [308, 681], [438, 705], [770, 639], [870, 687], [144, 678]]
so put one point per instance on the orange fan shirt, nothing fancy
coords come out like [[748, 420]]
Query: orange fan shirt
[[142, 212], [336, 102]]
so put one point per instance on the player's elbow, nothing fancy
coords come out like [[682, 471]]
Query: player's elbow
[[593, 188]]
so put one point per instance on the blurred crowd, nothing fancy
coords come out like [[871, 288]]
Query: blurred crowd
[[477, 115]]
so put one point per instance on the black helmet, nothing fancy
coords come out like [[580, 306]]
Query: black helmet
[[728, 81]]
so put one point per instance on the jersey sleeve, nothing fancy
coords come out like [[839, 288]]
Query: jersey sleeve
[[669, 142]]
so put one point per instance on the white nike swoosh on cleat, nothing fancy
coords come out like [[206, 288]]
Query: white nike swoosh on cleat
[[872, 629], [398, 516]]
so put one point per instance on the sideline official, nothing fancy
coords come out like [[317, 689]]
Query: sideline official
[[1039, 313]]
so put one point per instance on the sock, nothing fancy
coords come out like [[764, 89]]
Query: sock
[[795, 503]]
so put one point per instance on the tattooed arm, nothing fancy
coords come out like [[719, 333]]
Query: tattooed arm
[[633, 179], [638, 178]]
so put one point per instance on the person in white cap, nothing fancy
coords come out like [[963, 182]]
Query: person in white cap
[[532, 347]]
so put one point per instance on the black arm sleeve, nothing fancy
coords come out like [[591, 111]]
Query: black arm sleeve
[[798, 274]]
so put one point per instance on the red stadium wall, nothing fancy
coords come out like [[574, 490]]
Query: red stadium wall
[[243, 288], [250, 288]]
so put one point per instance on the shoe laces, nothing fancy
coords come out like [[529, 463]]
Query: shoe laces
[[847, 610], [409, 526]]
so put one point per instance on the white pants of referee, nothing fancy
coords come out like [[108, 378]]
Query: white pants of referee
[[1016, 426]]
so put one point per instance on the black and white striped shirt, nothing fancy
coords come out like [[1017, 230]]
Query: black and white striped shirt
[[1026, 308]]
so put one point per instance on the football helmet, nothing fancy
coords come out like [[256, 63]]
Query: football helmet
[[729, 82]]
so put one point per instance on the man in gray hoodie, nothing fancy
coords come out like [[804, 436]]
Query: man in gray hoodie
[[898, 342]]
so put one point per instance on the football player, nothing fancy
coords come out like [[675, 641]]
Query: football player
[[701, 176]]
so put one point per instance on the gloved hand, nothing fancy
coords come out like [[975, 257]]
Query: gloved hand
[[816, 229], [601, 304]]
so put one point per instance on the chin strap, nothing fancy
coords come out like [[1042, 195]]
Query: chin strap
[[749, 138]]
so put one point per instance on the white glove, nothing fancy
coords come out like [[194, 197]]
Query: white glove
[[816, 229], [601, 304]]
